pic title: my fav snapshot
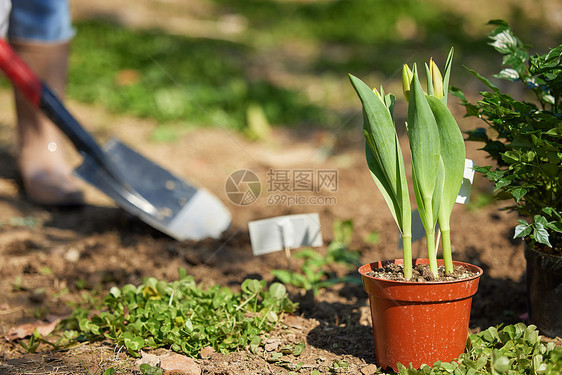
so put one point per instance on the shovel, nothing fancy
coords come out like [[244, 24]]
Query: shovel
[[136, 184]]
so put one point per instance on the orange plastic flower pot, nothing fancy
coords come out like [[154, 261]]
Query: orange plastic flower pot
[[419, 322]]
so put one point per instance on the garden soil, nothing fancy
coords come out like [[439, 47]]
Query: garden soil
[[49, 256]]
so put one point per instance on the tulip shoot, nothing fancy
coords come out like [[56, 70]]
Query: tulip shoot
[[437, 150], [385, 160]]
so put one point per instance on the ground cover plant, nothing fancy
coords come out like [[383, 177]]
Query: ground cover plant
[[186, 318], [514, 349], [182, 316]]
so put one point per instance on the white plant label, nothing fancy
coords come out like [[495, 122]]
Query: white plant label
[[285, 232], [468, 179]]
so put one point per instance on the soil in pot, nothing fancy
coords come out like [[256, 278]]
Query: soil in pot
[[420, 273], [419, 322]]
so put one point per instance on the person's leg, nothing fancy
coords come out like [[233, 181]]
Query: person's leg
[[40, 33], [5, 6]]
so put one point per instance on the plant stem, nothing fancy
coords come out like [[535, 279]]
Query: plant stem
[[447, 254], [431, 254], [407, 254]]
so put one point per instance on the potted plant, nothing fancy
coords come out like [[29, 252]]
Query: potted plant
[[416, 321], [526, 143]]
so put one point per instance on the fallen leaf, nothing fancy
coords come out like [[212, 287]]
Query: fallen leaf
[[272, 345], [25, 330]]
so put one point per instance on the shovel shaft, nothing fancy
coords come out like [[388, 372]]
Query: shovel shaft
[[20, 74]]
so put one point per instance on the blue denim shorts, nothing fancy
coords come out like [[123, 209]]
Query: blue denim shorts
[[40, 20]]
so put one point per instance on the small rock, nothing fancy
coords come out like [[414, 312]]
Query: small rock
[[272, 345], [206, 352], [72, 255], [293, 321], [150, 359], [179, 363], [369, 369]]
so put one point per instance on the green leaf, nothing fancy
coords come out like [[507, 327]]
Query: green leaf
[[523, 230], [147, 369], [501, 364], [423, 134], [372, 237], [252, 286], [397, 208], [384, 156], [518, 193], [483, 79], [491, 335], [555, 226], [134, 343], [343, 230], [508, 74], [453, 154], [541, 234], [284, 275], [299, 349], [278, 291], [115, 292]]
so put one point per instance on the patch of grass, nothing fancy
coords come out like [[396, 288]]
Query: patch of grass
[[356, 36], [174, 78]]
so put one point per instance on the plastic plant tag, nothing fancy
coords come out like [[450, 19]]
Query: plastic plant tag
[[285, 232], [418, 232], [468, 179]]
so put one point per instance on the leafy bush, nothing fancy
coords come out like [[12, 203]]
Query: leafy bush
[[526, 136]]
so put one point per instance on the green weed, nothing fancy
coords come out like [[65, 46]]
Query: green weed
[[182, 315], [515, 349], [317, 270]]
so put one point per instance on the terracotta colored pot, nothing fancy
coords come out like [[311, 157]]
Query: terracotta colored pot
[[417, 322]]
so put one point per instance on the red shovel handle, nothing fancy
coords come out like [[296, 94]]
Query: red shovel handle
[[19, 73]]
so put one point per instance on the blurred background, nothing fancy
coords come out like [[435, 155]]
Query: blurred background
[[246, 63]]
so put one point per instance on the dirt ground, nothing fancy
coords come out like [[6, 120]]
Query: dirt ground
[[46, 251]]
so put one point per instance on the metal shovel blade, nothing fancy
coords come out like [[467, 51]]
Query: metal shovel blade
[[181, 210]]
